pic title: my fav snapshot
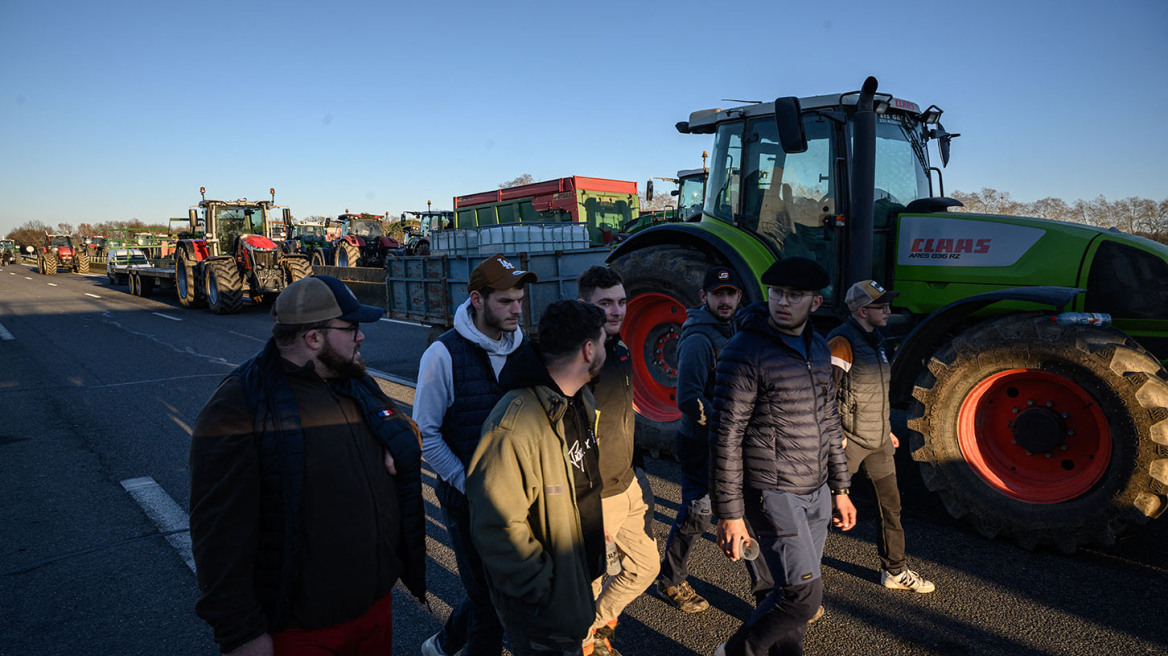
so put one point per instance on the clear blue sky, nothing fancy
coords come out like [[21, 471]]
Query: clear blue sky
[[117, 110]]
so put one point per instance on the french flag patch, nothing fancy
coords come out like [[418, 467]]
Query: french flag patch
[[385, 413]]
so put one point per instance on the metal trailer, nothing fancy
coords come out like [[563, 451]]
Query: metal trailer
[[428, 289]]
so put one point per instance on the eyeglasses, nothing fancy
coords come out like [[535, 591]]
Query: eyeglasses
[[793, 295], [351, 328]]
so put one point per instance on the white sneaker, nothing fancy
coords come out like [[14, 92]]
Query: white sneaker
[[906, 580], [431, 648], [720, 650]]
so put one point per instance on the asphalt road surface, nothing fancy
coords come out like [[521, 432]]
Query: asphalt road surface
[[99, 389]]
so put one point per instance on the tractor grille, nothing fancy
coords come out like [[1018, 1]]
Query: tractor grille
[[264, 259]]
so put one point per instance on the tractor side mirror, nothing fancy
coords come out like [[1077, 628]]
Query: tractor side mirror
[[649, 190], [288, 217], [193, 218], [944, 139], [789, 121]]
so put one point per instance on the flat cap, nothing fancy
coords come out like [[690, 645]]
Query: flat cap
[[796, 273]]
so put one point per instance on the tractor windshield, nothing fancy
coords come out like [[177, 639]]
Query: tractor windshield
[[367, 229], [690, 197], [310, 231], [232, 221], [901, 160], [60, 242]]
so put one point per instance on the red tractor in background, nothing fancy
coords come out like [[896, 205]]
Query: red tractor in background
[[228, 251], [362, 241], [58, 252]]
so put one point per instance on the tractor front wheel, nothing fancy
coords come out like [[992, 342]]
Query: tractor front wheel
[[48, 264], [81, 262], [224, 287], [186, 280], [1044, 433], [296, 268], [661, 282], [348, 255]]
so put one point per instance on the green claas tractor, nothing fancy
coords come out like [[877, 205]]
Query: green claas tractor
[[1026, 415], [58, 252]]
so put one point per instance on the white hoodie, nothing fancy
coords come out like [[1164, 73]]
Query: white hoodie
[[435, 392]]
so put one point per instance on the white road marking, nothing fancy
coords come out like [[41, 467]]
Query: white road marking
[[4, 334], [254, 339], [27, 278], [165, 316], [167, 515], [52, 284], [93, 295], [404, 323]]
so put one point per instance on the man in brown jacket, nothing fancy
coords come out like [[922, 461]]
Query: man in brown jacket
[[306, 501]]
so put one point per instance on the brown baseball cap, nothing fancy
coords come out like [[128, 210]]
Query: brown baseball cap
[[867, 292], [320, 298], [498, 273]]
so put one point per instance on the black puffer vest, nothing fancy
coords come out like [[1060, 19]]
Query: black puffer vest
[[280, 442], [476, 391], [863, 393]]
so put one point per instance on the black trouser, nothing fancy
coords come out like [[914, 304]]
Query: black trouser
[[880, 467], [473, 625]]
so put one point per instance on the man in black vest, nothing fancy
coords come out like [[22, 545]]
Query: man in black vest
[[458, 385], [306, 495], [862, 374]]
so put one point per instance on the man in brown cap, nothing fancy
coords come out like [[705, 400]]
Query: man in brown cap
[[458, 385], [306, 496], [863, 376]]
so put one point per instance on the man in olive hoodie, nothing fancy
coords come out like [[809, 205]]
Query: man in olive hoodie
[[534, 487]]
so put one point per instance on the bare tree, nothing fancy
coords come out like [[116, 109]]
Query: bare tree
[[518, 182]]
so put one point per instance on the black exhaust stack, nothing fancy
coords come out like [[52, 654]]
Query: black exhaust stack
[[863, 186]]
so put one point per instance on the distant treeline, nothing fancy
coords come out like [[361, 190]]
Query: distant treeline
[[1137, 216]]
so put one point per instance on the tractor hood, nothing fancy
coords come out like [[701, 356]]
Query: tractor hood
[[258, 242], [941, 258]]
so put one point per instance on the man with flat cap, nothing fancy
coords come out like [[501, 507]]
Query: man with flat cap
[[458, 386], [777, 457], [706, 329], [862, 375], [306, 496]]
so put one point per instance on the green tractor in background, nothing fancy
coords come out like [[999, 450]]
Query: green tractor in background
[[8, 252], [1026, 419]]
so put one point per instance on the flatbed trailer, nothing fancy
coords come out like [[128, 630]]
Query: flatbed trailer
[[144, 280]]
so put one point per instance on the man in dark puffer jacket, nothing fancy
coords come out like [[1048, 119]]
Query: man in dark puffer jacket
[[776, 452]]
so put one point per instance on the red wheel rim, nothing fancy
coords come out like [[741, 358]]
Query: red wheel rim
[[652, 328], [1034, 436]]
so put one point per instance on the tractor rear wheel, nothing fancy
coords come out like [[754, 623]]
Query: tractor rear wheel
[[49, 264], [348, 255], [224, 287], [661, 282], [186, 280], [1044, 433], [81, 262], [296, 268], [317, 258]]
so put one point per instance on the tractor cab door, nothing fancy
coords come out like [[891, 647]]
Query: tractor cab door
[[783, 198]]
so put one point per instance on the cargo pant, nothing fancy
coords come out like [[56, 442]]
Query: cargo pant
[[880, 467], [624, 521]]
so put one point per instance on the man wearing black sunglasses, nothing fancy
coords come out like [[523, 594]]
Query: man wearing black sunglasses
[[306, 500]]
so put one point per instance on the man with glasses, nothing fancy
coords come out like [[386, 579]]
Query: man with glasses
[[776, 454], [306, 497], [862, 375]]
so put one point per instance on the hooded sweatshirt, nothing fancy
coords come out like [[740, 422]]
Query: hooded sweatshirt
[[702, 337], [434, 394]]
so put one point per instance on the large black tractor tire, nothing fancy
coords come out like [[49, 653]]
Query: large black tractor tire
[[295, 268], [224, 287], [187, 281], [48, 264], [317, 258], [81, 262], [1048, 434], [660, 282], [347, 254]]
